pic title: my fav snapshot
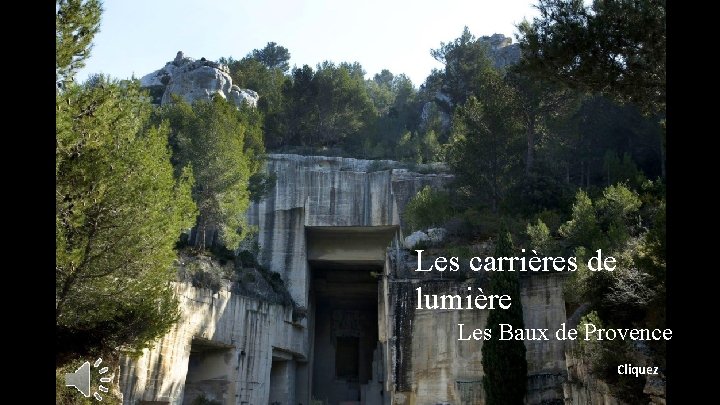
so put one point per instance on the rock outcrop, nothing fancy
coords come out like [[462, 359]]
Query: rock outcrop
[[502, 51], [195, 80]]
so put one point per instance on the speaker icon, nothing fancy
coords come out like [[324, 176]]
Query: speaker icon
[[80, 379]]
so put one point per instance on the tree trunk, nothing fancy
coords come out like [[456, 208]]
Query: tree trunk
[[530, 146], [662, 152], [200, 234], [567, 173], [587, 176]]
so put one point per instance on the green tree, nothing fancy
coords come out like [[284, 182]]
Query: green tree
[[631, 228], [299, 111], [224, 147], [616, 48], [427, 208], [249, 73], [503, 361], [118, 213], [343, 105], [404, 107], [273, 56], [485, 146], [380, 90], [398, 113], [538, 102], [76, 23], [466, 61], [327, 107]]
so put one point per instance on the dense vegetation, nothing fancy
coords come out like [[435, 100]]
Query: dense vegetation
[[130, 179], [565, 149], [224, 148]]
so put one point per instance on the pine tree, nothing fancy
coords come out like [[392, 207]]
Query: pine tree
[[616, 48], [118, 207], [76, 23], [503, 361], [119, 212], [224, 147]]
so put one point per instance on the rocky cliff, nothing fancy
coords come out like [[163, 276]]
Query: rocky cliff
[[502, 51], [195, 80]]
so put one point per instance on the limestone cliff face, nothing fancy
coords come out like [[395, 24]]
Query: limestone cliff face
[[234, 336], [195, 80], [430, 364], [502, 51], [313, 191]]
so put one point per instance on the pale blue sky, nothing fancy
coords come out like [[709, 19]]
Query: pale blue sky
[[141, 36]]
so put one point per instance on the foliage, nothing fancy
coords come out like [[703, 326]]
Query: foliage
[[268, 80], [224, 148], [66, 395], [503, 361], [582, 229], [611, 47], [631, 228], [207, 276], [328, 107], [466, 62], [540, 190], [260, 184], [540, 239], [332, 107], [203, 400], [272, 56], [427, 208], [380, 91], [76, 23], [622, 170], [418, 147], [388, 134], [599, 127], [119, 211], [483, 150], [539, 101], [607, 224], [600, 354]]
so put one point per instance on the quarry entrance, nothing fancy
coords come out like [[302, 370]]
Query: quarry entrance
[[347, 266], [207, 374]]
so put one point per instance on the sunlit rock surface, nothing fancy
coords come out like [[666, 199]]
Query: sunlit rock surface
[[195, 80]]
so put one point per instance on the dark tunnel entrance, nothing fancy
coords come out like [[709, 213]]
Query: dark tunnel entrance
[[346, 333], [347, 265]]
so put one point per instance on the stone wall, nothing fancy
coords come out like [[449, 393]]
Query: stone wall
[[430, 366], [243, 332]]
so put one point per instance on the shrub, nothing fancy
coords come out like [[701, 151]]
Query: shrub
[[428, 208], [203, 400]]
